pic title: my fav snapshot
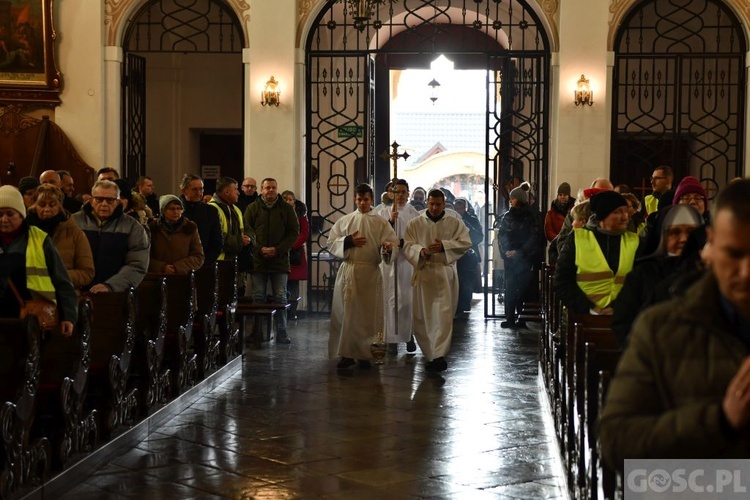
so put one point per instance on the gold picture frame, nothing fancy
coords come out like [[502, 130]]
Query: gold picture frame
[[28, 68]]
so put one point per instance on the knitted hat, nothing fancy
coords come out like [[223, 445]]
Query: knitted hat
[[564, 188], [689, 185], [166, 200], [606, 202], [10, 197], [27, 183], [521, 193]]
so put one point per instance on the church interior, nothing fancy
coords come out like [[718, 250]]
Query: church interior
[[316, 94]]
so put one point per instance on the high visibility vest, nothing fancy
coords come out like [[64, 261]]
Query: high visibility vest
[[652, 203], [593, 274], [37, 274], [225, 222]]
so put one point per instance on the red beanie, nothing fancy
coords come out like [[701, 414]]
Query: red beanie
[[689, 185]]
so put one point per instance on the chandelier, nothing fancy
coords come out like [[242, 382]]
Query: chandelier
[[361, 11]]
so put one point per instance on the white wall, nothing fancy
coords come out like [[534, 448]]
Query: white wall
[[271, 133], [80, 27], [582, 132]]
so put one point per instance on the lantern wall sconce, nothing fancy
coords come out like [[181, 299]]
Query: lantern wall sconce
[[270, 96], [583, 93]]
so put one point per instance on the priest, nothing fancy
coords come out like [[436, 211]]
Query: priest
[[433, 242], [360, 239]]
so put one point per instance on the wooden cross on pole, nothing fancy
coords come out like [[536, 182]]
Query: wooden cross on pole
[[394, 155]]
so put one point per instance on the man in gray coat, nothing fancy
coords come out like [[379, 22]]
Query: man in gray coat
[[118, 242]]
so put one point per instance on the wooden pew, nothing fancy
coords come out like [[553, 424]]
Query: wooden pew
[[259, 312], [607, 483], [153, 376], [112, 339], [230, 336], [205, 326], [22, 464], [63, 384], [597, 360], [597, 338], [179, 354], [564, 362]]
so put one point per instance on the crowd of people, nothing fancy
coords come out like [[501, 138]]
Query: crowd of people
[[674, 275]]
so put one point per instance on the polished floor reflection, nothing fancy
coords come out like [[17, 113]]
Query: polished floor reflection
[[291, 426]]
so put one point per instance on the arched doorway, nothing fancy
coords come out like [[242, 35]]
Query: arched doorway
[[173, 118], [347, 103], [679, 93]]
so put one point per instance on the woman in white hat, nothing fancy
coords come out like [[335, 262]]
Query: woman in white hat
[[28, 258], [175, 243]]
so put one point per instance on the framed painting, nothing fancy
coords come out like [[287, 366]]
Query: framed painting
[[28, 70]]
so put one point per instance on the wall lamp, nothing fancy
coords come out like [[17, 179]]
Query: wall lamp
[[270, 94], [583, 93]]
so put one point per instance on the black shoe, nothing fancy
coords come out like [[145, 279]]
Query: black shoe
[[364, 364], [508, 324], [411, 346], [520, 324], [437, 365], [345, 363]]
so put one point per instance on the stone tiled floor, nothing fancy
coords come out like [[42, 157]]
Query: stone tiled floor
[[290, 426]]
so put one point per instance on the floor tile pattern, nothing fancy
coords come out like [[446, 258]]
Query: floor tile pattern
[[289, 425]]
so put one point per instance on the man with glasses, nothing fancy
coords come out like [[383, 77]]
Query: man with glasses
[[118, 242], [248, 193], [205, 217], [398, 327], [661, 182]]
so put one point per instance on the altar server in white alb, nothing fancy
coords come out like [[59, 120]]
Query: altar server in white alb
[[398, 215], [433, 242], [361, 239]]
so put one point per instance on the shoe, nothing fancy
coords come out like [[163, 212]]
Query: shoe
[[508, 324], [520, 324], [411, 346], [345, 363], [437, 365], [392, 348], [364, 364], [283, 338]]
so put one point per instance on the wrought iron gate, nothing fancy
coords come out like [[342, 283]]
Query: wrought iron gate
[[679, 93], [504, 38], [134, 117]]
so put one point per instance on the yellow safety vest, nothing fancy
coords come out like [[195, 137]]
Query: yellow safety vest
[[593, 274], [225, 222], [652, 203], [37, 274]]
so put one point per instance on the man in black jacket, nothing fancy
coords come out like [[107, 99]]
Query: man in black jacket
[[205, 217]]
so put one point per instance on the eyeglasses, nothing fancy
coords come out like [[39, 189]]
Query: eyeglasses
[[105, 199], [175, 208], [658, 177], [691, 199]]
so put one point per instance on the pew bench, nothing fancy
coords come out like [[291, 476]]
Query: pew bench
[[259, 312], [22, 463], [63, 382]]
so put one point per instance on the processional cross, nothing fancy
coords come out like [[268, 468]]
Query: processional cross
[[395, 155]]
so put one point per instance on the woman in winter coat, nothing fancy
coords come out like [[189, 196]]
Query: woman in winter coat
[[71, 243], [297, 266], [175, 244], [559, 208]]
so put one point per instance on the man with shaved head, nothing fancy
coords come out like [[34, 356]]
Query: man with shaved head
[[50, 177]]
